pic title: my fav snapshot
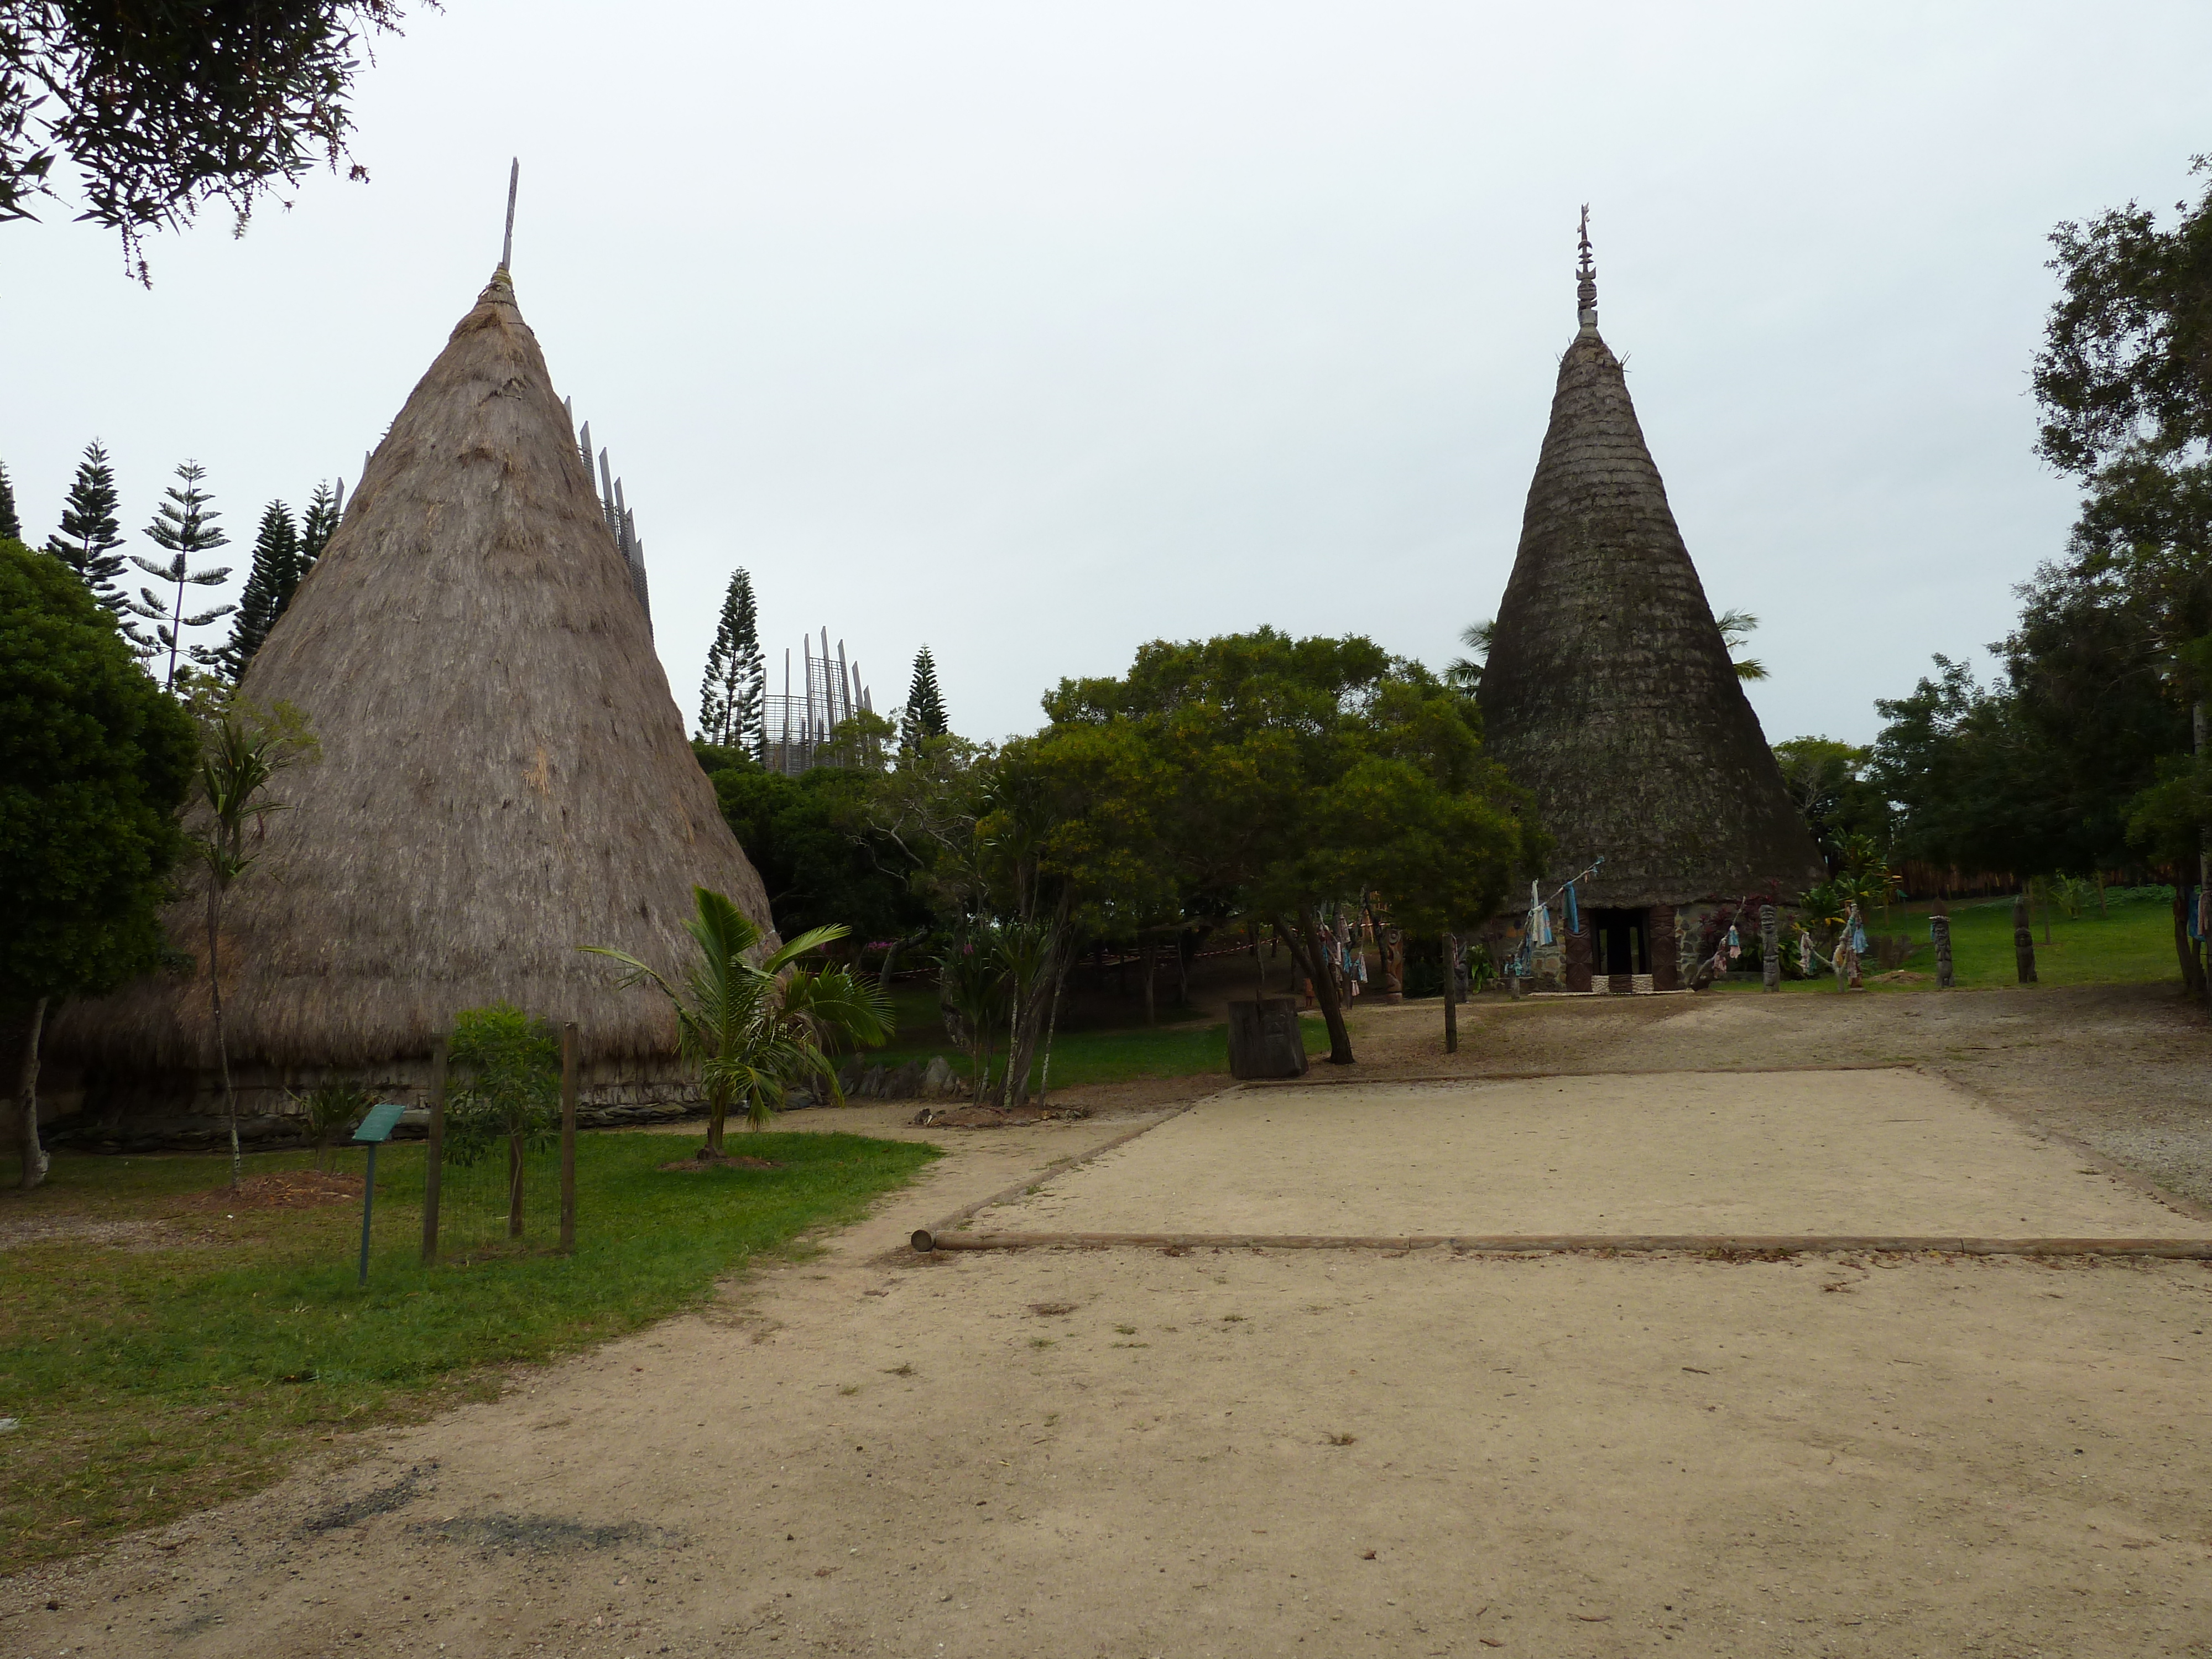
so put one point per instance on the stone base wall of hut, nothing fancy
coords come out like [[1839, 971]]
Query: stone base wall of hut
[[184, 1111]]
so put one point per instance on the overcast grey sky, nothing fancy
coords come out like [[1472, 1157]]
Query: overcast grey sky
[[1035, 331]]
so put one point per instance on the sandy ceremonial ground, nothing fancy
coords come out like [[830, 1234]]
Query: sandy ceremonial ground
[[1130, 1452], [1833, 1153]]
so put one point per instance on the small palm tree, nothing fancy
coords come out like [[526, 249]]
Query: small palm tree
[[1736, 627], [754, 1030]]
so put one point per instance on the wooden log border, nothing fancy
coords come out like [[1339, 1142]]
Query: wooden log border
[[1708, 1244]]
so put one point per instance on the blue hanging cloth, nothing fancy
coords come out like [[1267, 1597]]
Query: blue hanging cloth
[[2195, 913], [1574, 922], [1858, 938]]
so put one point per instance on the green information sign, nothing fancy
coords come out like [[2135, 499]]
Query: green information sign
[[376, 1129], [379, 1123]]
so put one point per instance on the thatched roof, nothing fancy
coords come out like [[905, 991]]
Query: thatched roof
[[1608, 692], [504, 775]]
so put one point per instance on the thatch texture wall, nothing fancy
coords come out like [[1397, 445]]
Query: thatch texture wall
[[1608, 691], [504, 775]]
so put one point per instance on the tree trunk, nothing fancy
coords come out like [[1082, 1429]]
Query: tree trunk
[[35, 1161], [1051, 1024], [2197, 721], [2192, 967], [1770, 949], [718, 1116], [1452, 993], [1182, 950], [1151, 1014], [1306, 948], [2046, 910], [514, 1186], [222, 1048], [2023, 939], [1939, 926]]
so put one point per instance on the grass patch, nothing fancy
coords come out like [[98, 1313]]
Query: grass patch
[[1122, 1055], [193, 1363], [2132, 944]]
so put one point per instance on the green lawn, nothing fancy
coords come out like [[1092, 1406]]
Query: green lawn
[[2133, 943], [153, 1382], [1117, 1055]]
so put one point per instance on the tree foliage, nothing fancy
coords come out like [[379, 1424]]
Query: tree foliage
[[185, 528], [923, 716], [89, 534], [162, 108], [11, 525], [733, 694], [94, 761], [755, 1031], [270, 580]]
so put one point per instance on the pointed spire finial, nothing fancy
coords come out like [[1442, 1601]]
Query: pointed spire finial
[[1586, 278], [507, 246]]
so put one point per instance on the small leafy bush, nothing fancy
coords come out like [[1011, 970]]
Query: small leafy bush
[[329, 1111], [510, 1088]]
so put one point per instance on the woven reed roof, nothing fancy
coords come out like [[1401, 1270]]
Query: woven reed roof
[[1608, 692], [504, 774]]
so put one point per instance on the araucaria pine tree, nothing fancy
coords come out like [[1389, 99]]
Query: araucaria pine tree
[[924, 713], [89, 535], [11, 525], [316, 526], [185, 528], [269, 583], [733, 696]]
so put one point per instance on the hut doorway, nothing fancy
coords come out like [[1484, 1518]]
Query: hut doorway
[[1621, 943]]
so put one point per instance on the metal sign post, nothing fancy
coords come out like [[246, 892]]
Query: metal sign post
[[376, 1129]]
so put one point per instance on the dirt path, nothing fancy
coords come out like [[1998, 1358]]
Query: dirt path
[[1247, 1453]]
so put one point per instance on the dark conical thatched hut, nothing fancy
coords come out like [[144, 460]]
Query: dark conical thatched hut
[[504, 777], [1609, 693]]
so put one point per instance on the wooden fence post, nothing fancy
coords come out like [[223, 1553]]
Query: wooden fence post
[[1451, 993], [568, 1137], [434, 1154], [1940, 925]]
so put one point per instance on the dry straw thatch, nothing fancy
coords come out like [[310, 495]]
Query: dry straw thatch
[[504, 775], [1609, 693]]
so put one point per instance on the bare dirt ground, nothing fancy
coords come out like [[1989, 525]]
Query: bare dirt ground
[[1128, 1453], [1890, 1152]]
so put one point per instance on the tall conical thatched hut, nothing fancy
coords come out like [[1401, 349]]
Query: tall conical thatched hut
[[1610, 695], [503, 775]]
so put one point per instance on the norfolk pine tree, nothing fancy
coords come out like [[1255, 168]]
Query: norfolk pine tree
[[89, 535], [732, 698], [269, 584], [11, 527], [924, 714], [316, 526], [186, 528]]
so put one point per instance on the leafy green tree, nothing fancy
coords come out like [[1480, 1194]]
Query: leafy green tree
[[89, 534], [2125, 386], [242, 751], [755, 1031], [1828, 782], [11, 526], [733, 696], [185, 527], [1464, 674], [814, 840], [269, 582], [510, 1091], [164, 108], [316, 526], [1285, 775], [923, 717], [95, 761]]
